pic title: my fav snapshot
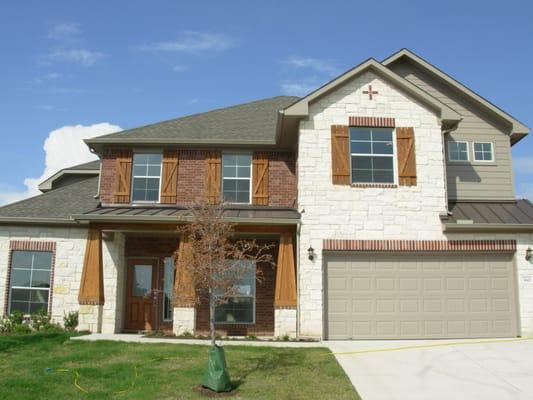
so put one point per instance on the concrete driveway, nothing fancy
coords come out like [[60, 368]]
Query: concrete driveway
[[496, 370]]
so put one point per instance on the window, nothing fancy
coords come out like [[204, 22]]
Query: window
[[146, 177], [483, 152], [168, 279], [457, 151], [372, 155], [240, 309], [236, 177], [30, 281]]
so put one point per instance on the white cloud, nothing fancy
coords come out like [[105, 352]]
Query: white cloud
[[64, 147], [179, 68], [64, 31], [194, 42], [298, 88], [84, 57], [322, 66]]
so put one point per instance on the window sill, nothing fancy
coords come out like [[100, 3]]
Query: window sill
[[375, 185]]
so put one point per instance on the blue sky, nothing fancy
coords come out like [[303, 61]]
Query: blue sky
[[71, 69]]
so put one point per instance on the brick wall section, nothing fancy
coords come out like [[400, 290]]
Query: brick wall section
[[191, 177], [107, 177], [159, 247], [420, 245], [282, 187], [264, 308]]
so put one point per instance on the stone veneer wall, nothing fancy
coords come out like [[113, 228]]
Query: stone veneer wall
[[70, 251], [343, 212]]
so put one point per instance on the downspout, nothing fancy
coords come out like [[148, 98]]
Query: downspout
[[444, 164], [298, 228], [97, 195]]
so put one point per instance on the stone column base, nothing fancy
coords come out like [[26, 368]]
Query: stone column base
[[184, 320], [90, 318], [285, 322]]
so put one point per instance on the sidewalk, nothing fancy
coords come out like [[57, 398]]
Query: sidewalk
[[137, 338]]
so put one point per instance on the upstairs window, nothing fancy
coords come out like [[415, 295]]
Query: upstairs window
[[236, 177], [457, 151], [483, 152], [30, 281], [146, 177], [372, 155]]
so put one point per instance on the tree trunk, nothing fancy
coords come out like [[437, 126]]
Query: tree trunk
[[212, 316]]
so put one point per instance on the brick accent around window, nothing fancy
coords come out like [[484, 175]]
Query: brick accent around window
[[420, 245], [30, 245], [191, 177], [376, 122]]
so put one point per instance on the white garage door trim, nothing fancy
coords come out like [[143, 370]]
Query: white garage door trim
[[398, 298]]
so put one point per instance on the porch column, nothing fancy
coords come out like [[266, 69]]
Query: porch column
[[285, 294], [91, 294], [184, 294]]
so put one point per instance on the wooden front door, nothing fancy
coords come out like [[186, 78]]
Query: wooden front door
[[140, 293]]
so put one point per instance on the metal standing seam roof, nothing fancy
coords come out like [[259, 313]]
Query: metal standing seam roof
[[168, 213], [504, 213]]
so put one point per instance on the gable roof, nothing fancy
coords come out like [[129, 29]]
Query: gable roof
[[255, 123], [55, 206], [88, 168], [518, 129], [300, 108]]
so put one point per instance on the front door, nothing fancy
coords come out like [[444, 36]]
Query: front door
[[140, 293]]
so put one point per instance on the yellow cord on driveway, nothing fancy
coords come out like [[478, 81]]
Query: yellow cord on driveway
[[426, 346]]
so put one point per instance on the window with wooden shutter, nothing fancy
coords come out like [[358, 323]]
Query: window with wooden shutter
[[169, 176], [123, 177], [260, 179], [405, 138], [213, 182], [340, 155]]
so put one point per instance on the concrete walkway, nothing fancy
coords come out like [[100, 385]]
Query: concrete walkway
[[135, 338], [473, 369]]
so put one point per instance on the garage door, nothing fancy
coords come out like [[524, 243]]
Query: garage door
[[423, 295]]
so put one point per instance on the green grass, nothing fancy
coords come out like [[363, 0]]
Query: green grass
[[29, 367]]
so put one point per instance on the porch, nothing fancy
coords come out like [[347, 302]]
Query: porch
[[131, 271]]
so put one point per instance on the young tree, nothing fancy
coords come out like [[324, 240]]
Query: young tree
[[215, 260]]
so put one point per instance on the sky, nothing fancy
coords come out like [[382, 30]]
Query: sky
[[76, 69]]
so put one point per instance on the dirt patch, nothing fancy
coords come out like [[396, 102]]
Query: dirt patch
[[209, 393]]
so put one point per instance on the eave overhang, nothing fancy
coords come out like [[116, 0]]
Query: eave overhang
[[515, 228], [518, 130]]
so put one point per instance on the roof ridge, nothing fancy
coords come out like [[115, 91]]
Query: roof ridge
[[199, 114]]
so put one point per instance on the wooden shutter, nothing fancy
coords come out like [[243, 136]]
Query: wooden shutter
[[92, 276], [169, 177], [260, 179], [213, 182], [285, 292], [405, 138], [123, 177], [340, 155]]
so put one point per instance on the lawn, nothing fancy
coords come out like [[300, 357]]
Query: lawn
[[31, 368]]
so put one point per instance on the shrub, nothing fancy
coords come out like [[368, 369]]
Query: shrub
[[70, 320]]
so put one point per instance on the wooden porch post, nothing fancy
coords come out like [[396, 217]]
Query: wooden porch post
[[285, 295], [92, 277], [184, 292]]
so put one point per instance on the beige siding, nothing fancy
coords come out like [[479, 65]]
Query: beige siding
[[480, 181]]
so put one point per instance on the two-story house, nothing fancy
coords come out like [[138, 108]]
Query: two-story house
[[387, 194]]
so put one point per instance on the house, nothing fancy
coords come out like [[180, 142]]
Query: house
[[387, 193]]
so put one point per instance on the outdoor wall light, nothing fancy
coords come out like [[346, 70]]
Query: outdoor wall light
[[529, 254], [311, 253]]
